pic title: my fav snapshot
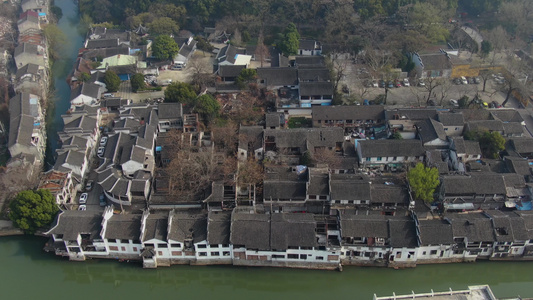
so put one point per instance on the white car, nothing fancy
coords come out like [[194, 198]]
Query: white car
[[100, 152], [463, 80], [82, 207], [421, 83], [103, 141], [454, 103], [83, 198], [406, 82], [375, 84]]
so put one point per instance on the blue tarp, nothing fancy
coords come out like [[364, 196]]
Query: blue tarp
[[124, 77], [524, 206], [41, 14]]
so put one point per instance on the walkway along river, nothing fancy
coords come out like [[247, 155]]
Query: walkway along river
[[29, 273]]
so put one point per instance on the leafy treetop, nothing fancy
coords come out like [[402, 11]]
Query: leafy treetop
[[423, 180], [31, 210], [180, 92], [164, 47], [112, 81]]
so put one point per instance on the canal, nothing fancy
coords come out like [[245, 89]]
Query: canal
[[60, 97], [29, 273]]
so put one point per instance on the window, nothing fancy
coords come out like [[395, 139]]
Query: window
[[303, 256], [160, 253], [368, 159], [395, 158], [202, 253], [319, 258], [433, 252], [178, 245], [445, 128], [112, 240], [278, 256], [202, 246], [125, 241], [113, 248], [292, 256], [215, 253], [134, 249], [379, 158], [123, 248], [162, 245], [226, 253]]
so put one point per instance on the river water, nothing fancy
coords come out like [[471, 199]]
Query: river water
[[26, 272]]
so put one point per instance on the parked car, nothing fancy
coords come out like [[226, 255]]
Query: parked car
[[390, 84], [103, 201], [454, 103], [83, 198], [397, 83], [382, 83], [103, 141], [477, 80], [406, 82], [495, 104], [100, 152], [375, 84], [82, 207], [421, 83], [89, 185], [432, 103], [463, 80], [457, 81], [470, 80]]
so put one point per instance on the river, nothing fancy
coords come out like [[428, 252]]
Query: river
[[27, 272], [69, 24]]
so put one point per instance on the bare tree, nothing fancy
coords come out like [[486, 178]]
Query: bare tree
[[327, 157], [338, 65], [261, 51], [431, 84]]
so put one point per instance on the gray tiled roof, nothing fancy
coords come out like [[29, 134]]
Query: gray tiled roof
[[290, 229], [250, 230], [430, 130], [451, 119], [156, 227], [284, 190], [474, 226], [230, 70], [402, 233], [27, 69], [218, 227], [435, 232], [316, 88], [349, 187], [188, 226], [26, 48], [169, 110], [359, 226], [482, 125], [474, 184], [71, 223], [390, 148], [315, 60], [302, 137], [124, 227], [361, 112], [388, 194], [314, 74], [278, 76], [522, 145], [102, 43], [411, 113]]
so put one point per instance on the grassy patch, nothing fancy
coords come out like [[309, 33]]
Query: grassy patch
[[300, 122]]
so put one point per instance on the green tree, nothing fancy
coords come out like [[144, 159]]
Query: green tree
[[290, 40], [246, 76], [55, 38], [137, 82], [180, 92], [31, 210], [396, 136], [423, 180], [111, 80], [163, 25], [84, 77], [208, 107], [164, 47], [491, 143], [486, 48], [463, 102]]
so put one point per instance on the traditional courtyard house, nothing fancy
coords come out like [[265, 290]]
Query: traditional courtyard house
[[75, 232], [250, 237], [510, 233], [26, 131], [436, 242], [186, 51], [357, 118], [121, 234], [250, 143], [231, 55], [315, 93], [73, 161], [473, 234], [283, 81], [391, 153], [298, 141], [86, 94], [274, 120], [432, 134], [309, 47], [316, 74], [26, 53], [154, 233], [31, 78], [463, 151], [388, 198], [364, 239], [28, 22], [433, 65], [349, 190], [404, 241], [218, 236], [453, 123], [406, 128], [229, 73], [306, 62], [38, 6], [475, 191], [170, 115], [60, 185], [284, 190], [522, 147], [187, 234], [102, 43], [317, 187]]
